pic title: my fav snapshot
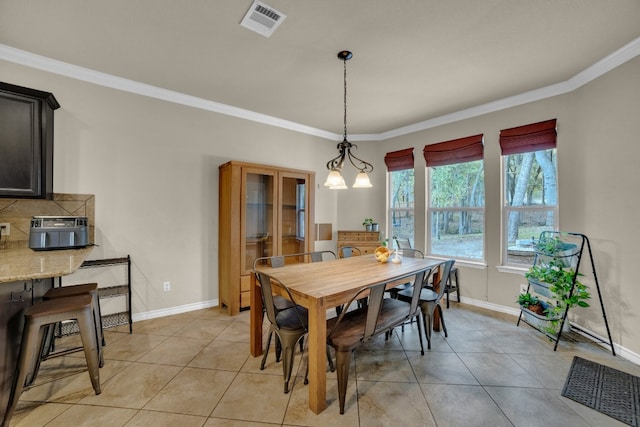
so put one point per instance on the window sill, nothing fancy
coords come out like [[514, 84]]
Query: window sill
[[462, 263]]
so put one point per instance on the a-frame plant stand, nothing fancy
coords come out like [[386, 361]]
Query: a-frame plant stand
[[567, 253]]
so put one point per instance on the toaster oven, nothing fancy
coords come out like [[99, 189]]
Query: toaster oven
[[58, 232]]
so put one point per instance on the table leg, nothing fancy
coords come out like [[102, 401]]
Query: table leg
[[317, 357], [256, 317]]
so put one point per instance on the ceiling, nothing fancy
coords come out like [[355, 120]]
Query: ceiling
[[413, 60]]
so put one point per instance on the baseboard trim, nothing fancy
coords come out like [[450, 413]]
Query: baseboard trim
[[154, 314]]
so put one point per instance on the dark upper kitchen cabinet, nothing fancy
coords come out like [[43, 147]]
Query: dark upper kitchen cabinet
[[26, 142]]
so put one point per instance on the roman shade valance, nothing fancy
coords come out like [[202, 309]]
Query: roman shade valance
[[527, 138], [399, 160], [459, 150]]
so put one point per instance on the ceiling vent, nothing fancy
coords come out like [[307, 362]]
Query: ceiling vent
[[262, 19]]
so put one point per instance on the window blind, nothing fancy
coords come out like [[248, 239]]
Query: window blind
[[459, 150], [399, 160], [527, 138]]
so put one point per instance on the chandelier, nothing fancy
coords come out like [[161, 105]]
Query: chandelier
[[335, 180]]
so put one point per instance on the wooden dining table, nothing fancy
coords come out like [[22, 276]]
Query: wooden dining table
[[320, 286]]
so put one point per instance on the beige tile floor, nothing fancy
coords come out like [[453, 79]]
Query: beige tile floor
[[194, 369]]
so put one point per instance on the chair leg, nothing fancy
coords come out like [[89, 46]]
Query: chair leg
[[28, 350], [332, 367], [98, 313], [278, 345], [91, 344], [343, 362], [45, 337], [420, 336], [266, 352], [288, 349], [444, 328], [426, 320]]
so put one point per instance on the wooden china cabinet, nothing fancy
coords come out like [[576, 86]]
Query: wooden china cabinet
[[263, 211]]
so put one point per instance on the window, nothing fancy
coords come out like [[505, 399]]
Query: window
[[401, 194], [530, 188], [455, 209]]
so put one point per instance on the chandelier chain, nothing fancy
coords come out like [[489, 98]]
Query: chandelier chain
[[345, 98]]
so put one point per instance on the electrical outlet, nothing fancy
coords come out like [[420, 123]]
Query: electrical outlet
[[5, 229], [523, 289], [167, 286]]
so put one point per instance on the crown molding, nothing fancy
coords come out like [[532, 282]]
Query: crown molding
[[65, 69], [32, 60], [617, 58]]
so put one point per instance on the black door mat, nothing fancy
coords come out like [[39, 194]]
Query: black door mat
[[607, 390]]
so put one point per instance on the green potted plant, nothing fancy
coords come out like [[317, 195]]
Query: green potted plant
[[553, 249], [533, 310], [368, 224], [530, 302], [556, 281]]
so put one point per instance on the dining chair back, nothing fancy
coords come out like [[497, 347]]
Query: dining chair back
[[353, 328], [402, 243], [406, 253], [430, 298], [349, 251], [411, 253], [453, 284], [289, 325], [281, 303], [319, 256]]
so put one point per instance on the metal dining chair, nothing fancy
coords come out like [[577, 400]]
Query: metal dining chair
[[353, 328], [319, 256], [290, 325], [402, 243], [406, 253], [430, 299], [281, 303], [349, 251], [453, 284]]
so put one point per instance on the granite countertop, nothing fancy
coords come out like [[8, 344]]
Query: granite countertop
[[19, 262]]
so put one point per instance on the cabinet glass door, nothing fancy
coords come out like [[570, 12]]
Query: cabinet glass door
[[293, 213], [259, 220]]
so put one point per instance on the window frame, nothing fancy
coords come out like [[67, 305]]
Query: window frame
[[530, 138], [390, 210], [506, 210]]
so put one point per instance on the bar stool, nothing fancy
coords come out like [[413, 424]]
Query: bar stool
[[75, 290], [38, 318]]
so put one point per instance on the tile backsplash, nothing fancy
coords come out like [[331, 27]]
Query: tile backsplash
[[18, 213]]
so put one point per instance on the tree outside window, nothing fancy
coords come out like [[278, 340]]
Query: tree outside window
[[401, 204], [455, 213], [531, 202]]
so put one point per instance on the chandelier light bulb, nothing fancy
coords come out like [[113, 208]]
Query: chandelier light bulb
[[334, 179], [362, 181]]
